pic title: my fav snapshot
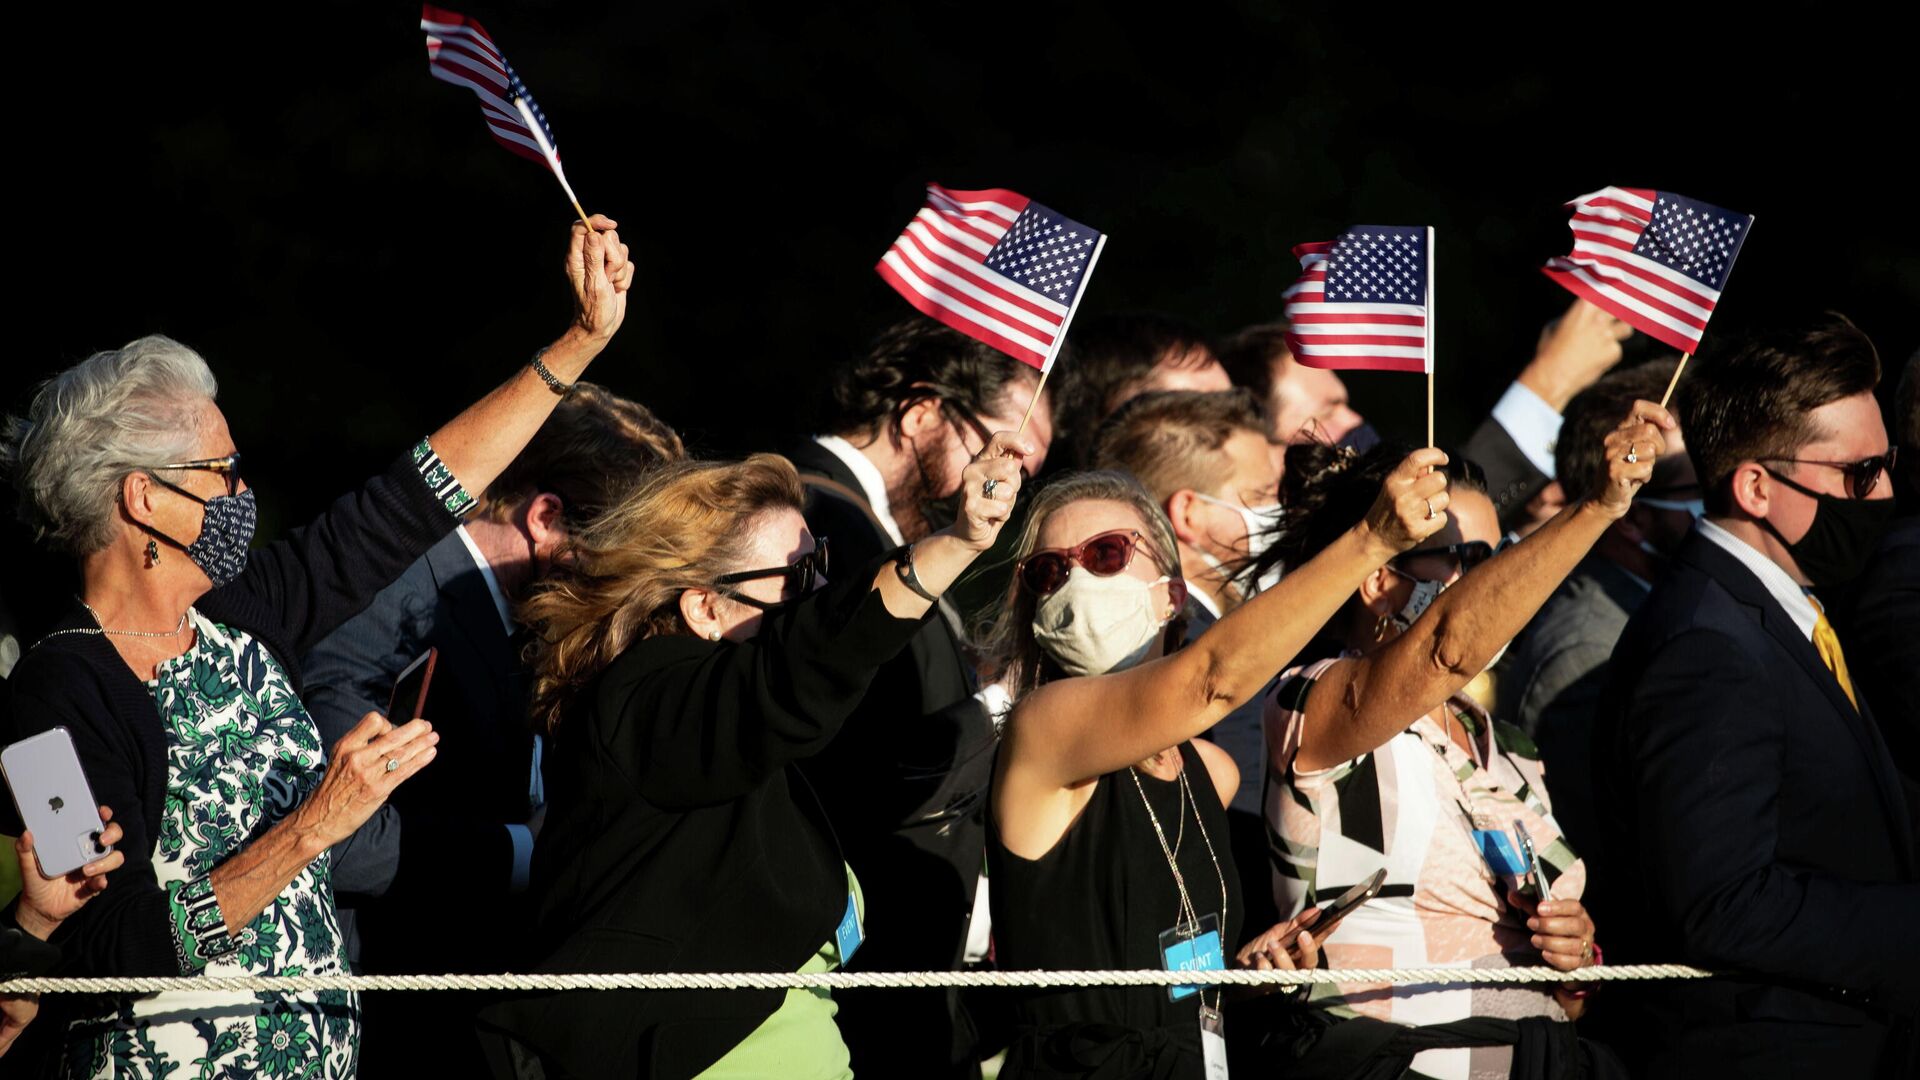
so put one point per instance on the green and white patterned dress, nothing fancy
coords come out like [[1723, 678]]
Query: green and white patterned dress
[[242, 753]]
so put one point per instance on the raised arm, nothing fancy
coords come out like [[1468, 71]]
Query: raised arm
[[1073, 730], [1359, 704]]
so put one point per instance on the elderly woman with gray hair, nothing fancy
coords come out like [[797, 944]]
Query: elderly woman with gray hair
[[176, 675]]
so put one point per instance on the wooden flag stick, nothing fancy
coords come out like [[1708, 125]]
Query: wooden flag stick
[[553, 160], [1675, 381], [1060, 338], [1429, 336]]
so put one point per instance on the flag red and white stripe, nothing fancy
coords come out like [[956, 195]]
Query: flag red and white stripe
[[1378, 316], [461, 52], [995, 266], [1651, 258]]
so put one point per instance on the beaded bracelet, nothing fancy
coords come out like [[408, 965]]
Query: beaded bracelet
[[553, 381]]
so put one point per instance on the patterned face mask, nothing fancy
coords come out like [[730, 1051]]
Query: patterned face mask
[[226, 532]]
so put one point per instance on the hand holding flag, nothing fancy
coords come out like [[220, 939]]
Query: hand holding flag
[[461, 52]]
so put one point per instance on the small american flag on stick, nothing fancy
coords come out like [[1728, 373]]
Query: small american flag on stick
[[461, 52], [996, 266], [1653, 258], [1364, 301]]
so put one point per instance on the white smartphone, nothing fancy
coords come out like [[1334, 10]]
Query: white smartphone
[[51, 792]]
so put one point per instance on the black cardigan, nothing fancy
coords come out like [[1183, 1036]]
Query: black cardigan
[[291, 594], [680, 836]]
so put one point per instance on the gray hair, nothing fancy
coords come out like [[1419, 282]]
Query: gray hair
[[93, 424]]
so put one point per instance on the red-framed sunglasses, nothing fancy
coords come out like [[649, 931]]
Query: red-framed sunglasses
[[1104, 555]]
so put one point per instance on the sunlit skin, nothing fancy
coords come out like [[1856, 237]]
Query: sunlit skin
[[934, 435], [778, 537], [1197, 370], [1850, 429], [1252, 481], [1308, 404]]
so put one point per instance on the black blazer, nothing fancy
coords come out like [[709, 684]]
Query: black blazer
[[1880, 630], [1512, 479], [447, 824], [291, 594], [679, 837], [1753, 824]]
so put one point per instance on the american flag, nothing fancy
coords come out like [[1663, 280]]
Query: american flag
[[995, 266], [460, 51], [1656, 259], [1363, 301]]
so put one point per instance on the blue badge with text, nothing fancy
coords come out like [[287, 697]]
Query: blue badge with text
[[1193, 947], [1503, 858], [848, 935]]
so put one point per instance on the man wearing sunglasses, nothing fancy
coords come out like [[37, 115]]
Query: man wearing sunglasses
[[904, 782], [1754, 821]]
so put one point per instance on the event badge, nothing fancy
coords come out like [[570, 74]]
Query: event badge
[[1213, 1042], [1193, 947], [1497, 847], [848, 935]]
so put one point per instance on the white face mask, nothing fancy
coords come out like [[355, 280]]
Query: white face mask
[[1094, 625], [1424, 594], [1261, 522]]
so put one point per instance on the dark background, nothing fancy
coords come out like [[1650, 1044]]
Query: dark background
[[285, 189]]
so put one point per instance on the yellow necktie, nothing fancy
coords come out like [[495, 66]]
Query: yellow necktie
[[1827, 644]]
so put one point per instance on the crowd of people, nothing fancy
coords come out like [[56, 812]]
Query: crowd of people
[[1143, 681]]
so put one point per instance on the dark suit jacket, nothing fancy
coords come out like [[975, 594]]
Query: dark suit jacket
[[446, 825], [1880, 631], [1550, 684], [1755, 825], [905, 786], [1511, 478]]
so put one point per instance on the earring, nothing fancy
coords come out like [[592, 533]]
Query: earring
[[1380, 628], [153, 553], [713, 635]]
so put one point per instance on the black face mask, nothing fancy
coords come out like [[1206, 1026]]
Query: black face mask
[[1842, 538]]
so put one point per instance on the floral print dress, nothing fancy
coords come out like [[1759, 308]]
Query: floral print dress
[[242, 754]]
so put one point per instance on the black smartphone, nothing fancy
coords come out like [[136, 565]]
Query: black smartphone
[[409, 701], [1342, 906]]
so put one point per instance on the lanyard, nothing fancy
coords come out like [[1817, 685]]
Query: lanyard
[[1187, 916]]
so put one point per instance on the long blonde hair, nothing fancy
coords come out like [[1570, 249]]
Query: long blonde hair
[[618, 580], [1005, 640]]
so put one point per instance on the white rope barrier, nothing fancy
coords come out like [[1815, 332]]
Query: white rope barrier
[[843, 980]]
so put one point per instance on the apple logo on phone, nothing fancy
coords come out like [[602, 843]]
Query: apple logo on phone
[[57, 803]]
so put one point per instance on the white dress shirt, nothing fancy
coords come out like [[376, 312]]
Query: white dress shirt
[[872, 484]]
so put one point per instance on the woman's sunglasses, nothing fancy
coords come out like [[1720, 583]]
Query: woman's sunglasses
[[1468, 553], [1863, 475], [1105, 555], [800, 576]]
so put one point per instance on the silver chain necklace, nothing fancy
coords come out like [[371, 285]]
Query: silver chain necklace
[[175, 632]]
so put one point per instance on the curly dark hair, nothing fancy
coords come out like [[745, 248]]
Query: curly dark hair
[[914, 360]]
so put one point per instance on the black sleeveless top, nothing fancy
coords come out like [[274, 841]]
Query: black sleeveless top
[[1100, 900]]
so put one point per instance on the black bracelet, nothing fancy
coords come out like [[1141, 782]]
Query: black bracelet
[[903, 566], [553, 381]]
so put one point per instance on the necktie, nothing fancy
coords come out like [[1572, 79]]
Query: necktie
[[1827, 644]]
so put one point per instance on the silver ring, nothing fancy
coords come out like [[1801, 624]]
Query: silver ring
[[989, 487], [1429, 509], [1633, 454], [393, 763]]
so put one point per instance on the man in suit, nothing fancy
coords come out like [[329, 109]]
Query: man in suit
[[1551, 680], [1882, 617], [904, 782], [1754, 823], [466, 827], [1206, 459]]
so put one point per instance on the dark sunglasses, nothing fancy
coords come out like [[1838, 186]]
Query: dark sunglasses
[[800, 577], [1863, 475], [1468, 553], [1105, 555], [228, 467]]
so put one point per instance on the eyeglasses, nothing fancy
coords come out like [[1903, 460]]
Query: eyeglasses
[[1105, 555], [1468, 553], [800, 576], [1863, 475], [228, 467]]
